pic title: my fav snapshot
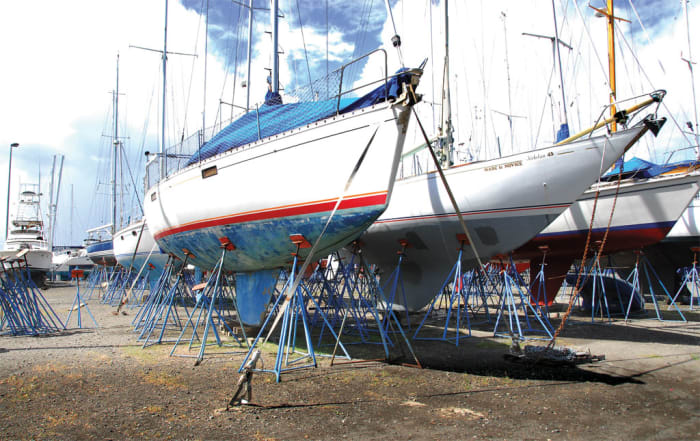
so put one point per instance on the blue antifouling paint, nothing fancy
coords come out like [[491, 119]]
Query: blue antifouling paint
[[253, 293]]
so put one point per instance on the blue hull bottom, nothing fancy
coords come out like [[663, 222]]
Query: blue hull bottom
[[266, 244]]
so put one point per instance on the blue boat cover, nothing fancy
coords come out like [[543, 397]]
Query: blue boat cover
[[644, 169], [272, 118]]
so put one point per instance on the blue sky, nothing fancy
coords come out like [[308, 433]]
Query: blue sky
[[59, 70]]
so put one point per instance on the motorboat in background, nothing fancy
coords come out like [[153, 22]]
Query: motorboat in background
[[66, 260], [26, 240]]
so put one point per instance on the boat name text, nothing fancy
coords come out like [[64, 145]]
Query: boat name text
[[517, 163]]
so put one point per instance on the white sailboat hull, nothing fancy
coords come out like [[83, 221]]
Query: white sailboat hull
[[688, 225], [652, 205], [286, 184], [135, 247], [505, 202]]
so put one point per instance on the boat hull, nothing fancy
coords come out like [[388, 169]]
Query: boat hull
[[134, 247], [644, 213], [101, 253], [284, 185], [504, 202]]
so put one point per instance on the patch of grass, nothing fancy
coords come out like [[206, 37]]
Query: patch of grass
[[147, 355], [69, 419], [491, 344], [163, 379]]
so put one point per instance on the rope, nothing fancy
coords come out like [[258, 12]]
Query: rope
[[577, 286], [451, 196]]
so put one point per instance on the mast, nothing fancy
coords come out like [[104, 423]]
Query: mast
[[446, 126], [53, 173], [609, 14], [206, 41], [53, 204], [72, 208], [561, 73], [275, 56], [510, 105], [250, 50], [115, 145], [163, 159], [690, 62], [611, 62]]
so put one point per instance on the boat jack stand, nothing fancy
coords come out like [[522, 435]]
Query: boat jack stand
[[691, 280], [211, 294], [514, 285], [395, 283], [636, 288], [457, 301], [294, 307], [77, 275], [162, 311]]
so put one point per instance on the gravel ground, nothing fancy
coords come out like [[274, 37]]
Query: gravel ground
[[100, 384]]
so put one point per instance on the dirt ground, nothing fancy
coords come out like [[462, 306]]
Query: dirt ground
[[100, 384]]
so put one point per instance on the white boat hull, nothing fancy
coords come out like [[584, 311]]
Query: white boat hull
[[37, 260], [505, 202], [134, 247], [644, 211], [264, 192], [688, 226]]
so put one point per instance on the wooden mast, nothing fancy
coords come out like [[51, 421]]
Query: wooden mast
[[609, 13]]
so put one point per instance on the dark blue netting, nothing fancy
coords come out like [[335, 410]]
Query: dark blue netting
[[639, 168], [272, 119]]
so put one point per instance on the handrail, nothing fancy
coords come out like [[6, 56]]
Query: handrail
[[342, 72]]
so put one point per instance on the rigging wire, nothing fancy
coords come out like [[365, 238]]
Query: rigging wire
[[306, 54], [646, 76], [395, 40]]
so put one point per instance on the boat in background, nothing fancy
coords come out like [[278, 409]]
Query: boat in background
[[505, 202], [100, 250], [26, 241], [674, 250], [66, 260], [134, 247], [645, 209]]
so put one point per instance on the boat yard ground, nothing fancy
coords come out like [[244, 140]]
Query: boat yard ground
[[100, 384]]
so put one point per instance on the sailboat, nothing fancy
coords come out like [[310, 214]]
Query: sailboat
[[284, 176], [641, 213], [26, 241], [100, 248], [134, 247], [636, 212], [504, 202]]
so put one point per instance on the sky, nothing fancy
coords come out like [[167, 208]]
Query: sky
[[60, 71]]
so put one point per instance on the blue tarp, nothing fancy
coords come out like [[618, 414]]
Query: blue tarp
[[640, 168], [272, 119]]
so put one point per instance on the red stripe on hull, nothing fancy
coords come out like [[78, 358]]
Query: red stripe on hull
[[572, 244], [296, 210], [564, 249]]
